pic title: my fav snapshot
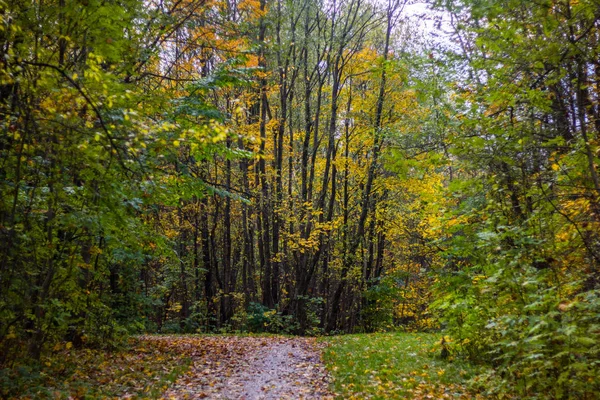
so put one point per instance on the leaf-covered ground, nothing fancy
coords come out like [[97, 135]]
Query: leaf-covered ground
[[395, 366], [251, 368], [379, 366], [177, 367], [143, 369]]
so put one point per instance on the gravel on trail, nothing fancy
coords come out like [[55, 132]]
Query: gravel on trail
[[250, 368]]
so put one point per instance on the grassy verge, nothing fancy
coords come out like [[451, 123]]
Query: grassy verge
[[141, 370], [395, 366]]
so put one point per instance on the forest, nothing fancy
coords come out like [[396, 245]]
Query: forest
[[306, 167]]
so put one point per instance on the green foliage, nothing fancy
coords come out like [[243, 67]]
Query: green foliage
[[263, 319], [381, 299], [88, 155], [518, 245], [506, 310]]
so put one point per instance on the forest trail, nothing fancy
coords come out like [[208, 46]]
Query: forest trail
[[249, 368]]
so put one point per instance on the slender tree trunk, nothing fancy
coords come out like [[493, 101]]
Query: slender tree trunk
[[265, 205], [366, 201]]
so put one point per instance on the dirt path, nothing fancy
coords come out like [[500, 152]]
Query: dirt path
[[253, 368]]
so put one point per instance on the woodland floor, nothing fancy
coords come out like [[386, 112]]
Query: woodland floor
[[377, 366], [252, 368]]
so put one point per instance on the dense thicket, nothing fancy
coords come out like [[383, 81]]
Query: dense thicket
[[521, 252], [304, 167], [195, 166], [96, 106]]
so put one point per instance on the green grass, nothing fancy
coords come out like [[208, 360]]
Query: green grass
[[395, 366]]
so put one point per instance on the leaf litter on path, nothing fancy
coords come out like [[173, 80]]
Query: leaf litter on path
[[265, 368]]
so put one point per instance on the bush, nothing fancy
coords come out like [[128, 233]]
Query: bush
[[538, 329], [263, 319]]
